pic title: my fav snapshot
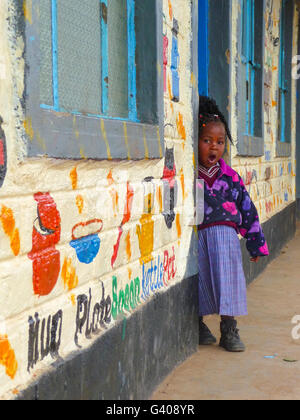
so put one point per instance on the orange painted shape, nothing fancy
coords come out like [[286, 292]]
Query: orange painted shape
[[115, 201], [68, 274], [169, 88], [15, 242], [128, 205], [8, 224], [128, 246], [7, 357], [182, 184], [110, 178], [180, 126], [74, 178], [7, 220], [170, 9], [178, 225], [79, 203], [159, 199], [113, 193]]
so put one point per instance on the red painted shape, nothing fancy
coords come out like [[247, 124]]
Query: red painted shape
[[45, 235], [126, 218], [165, 60], [169, 175], [116, 247]]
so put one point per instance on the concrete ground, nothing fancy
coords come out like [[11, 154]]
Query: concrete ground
[[270, 367]]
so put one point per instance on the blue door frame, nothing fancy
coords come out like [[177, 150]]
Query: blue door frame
[[203, 51]]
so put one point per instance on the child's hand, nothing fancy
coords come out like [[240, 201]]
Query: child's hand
[[255, 259]]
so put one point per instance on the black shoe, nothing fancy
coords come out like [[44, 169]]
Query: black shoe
[[230, 339], [205, 336]]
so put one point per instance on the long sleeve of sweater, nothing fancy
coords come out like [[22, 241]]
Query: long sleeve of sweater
[[250, 227]]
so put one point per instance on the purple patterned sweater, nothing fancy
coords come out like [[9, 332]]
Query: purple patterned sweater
[[228, 202]]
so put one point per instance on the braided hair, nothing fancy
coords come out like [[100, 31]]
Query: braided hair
[[209, 112]]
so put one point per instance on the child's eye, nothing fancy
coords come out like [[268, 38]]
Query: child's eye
[[206, 140]]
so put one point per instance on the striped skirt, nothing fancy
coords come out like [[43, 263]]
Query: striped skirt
[[222, 284]]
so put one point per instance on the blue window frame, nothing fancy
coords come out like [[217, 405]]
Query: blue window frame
[[97, 66], [285, 69], [250, 78], [252, 59]]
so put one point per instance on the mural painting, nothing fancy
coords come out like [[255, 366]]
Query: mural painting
[[145, 229], [86, 241], [126, 218], [9, 226], [45, 235], [170, 188]]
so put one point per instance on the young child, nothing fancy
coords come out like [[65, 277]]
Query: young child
[[228, 211]]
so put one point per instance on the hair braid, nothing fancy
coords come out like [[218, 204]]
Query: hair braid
[[210, 112]]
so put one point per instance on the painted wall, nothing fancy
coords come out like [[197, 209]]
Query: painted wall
[[84, 244], [269, 179]]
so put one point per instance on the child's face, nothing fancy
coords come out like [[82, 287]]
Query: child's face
[[211, 144]]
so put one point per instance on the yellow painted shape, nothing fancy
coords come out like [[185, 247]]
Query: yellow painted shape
[[74, 178], [158, 67], [126, 140], [8, 357], [73, 299], [196, 231], [82, 153], [28, 128], [145, 144], [40, 141], [103, 131], [145, 233], [8, 224], [76, 131], [27, 9], [68, 274], [194, 161], [80, 203], [159, 143], [193, 80]]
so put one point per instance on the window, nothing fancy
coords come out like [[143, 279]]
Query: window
[[93, 79], [251, 79], [285, 71]]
